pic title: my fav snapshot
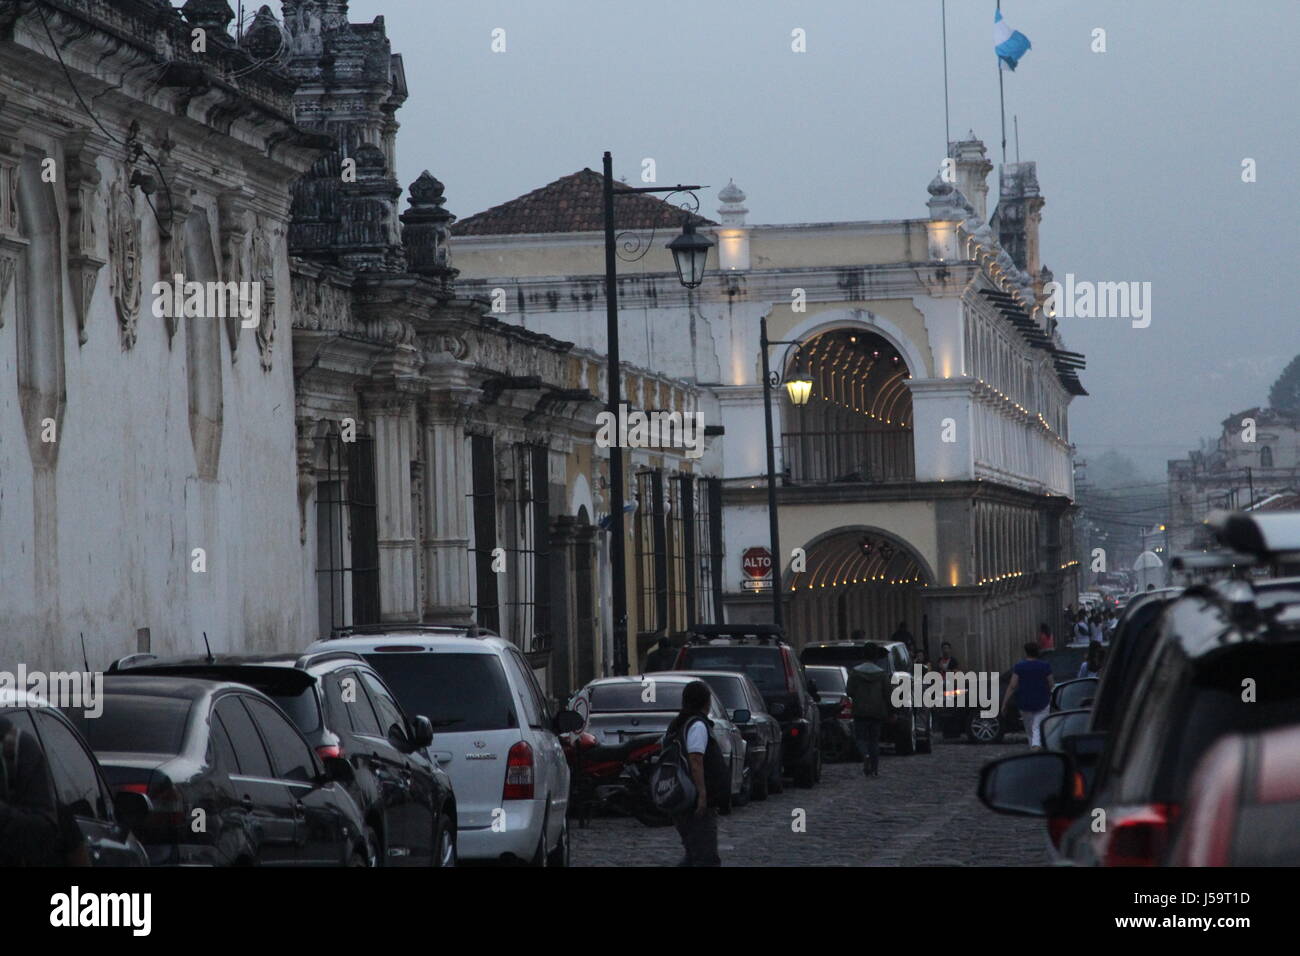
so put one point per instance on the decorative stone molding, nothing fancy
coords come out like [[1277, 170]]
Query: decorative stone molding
[[125, 261], [12, 243], [232, 210], [81, 177], [175, 201], [262, 260], [306, 469]]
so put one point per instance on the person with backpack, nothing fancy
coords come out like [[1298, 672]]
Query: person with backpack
[[868, 687], [692, 778]]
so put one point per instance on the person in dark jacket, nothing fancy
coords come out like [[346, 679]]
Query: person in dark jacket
[[869, 688], [698, 827], [32, 831], [904, 636]]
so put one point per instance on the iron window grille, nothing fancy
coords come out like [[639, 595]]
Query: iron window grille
[[347, 565]]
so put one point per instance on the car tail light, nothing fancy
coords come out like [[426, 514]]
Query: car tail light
[[791, 685], [1139, 838], [846, 708], [519, 773], [168, 814], [325, 751]]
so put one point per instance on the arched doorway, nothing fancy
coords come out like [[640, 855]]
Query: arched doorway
[[856, 578], [857, 424]]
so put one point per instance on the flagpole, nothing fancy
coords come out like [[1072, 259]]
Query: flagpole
[[1002, 98], [947, 128]]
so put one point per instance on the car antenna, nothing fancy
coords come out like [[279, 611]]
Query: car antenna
[[84, 659], [211, 659]]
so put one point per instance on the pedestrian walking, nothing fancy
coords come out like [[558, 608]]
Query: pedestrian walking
[[946, 661], [1082, 632], [1091, 667], [698, 827], [1031, 684], [1045, 641], [868, 687]]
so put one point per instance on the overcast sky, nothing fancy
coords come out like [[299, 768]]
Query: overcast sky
[[1139, 149]]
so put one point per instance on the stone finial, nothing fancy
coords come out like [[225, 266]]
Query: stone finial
[[732, 211], [264, 38], [946, 203], [425, 229], [208, 14]]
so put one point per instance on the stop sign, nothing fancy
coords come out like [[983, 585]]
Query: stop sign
[[756, 563]]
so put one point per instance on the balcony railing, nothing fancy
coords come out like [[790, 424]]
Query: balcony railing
[[860, 455]]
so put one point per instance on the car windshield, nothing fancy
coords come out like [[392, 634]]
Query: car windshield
[[730, 691], [457, 692], [135, 724], [828, 679], [623, 697], [762, 664]]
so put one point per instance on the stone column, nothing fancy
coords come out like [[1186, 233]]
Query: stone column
[[446, 532], [391, 409]]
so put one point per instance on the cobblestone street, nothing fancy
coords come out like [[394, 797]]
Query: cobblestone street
[[920, 811]]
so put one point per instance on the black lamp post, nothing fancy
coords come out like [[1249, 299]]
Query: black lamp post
[[800, 389], [690, 255]]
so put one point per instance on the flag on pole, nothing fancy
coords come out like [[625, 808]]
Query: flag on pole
[[1010, 45]]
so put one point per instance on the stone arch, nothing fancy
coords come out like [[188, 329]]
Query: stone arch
[[580, 500], [39, 312], [832, 319], [857, 577]]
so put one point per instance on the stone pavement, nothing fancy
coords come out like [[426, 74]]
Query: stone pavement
[[920, 811]]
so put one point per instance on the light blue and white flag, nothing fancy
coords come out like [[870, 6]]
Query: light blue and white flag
[[1010, 45]]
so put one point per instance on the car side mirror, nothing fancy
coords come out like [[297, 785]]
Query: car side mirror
[[568, 722], [131, 809], [741, 716], [338, 770], [1026, 785], [421, 731]]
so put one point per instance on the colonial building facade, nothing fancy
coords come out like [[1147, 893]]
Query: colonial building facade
[[929, 479], [147, 466]]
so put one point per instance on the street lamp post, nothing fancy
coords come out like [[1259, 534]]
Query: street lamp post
[[690, 255], [800, 389]]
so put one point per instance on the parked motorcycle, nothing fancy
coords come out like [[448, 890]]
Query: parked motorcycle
[[613, 777]]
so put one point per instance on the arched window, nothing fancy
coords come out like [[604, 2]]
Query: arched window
[[39, 313], [203, 351]]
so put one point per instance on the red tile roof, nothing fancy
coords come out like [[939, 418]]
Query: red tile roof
[[574, 203]]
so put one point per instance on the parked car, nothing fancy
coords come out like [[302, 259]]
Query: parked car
[[1225, 660], [617, 710], [759, 651], [226, 777], [910, 733], [494, 734], [1243, 803], [831, 681], [762, 732], [344, 709], [47, 769]]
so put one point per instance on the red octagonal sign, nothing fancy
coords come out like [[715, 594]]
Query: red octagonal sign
[[756, 563]]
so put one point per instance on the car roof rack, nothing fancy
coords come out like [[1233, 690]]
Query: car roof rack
[[759, 633], [1268, 536]]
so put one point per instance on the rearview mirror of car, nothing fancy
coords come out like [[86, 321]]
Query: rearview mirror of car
[[741, 716], [422, 731], [1026, 785], [1072, 694]]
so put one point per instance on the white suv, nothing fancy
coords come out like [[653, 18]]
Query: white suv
[[493, 732]]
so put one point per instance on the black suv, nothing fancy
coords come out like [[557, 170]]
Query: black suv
[[758, 651], [57, 807], [226, 777], [1223, 658], [344, 709]]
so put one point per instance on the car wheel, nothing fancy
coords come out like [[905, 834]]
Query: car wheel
[[725, 804], [805, 775], [373, 847], [984, 730], [560, 855], [444, 842], [817, 767], [776, 783], [924, 745], [761, 781], [746, 789], [905, 744], [540, 856]]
